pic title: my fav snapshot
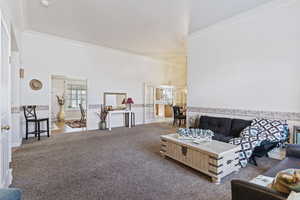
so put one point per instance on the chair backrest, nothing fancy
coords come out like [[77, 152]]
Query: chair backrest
[[30, 112], [176, 110], [82, 111]]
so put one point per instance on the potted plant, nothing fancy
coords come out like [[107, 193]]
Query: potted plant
[[102, 115], [61, 113]]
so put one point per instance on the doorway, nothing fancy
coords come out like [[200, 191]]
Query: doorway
[[159, 102], [163, 101], [68, 104], [5, 106]]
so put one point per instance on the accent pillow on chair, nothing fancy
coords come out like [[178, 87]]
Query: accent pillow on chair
[[10, 194], [287, 180]]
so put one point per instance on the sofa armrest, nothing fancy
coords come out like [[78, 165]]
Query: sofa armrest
[[248, 191], [293, 150]]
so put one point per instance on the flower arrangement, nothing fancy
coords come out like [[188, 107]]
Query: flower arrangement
[[103, 113], [60, 100]]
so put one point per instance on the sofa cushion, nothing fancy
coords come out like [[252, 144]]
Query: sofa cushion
[[237, 125], [287, 163], [222, 138], [216, 124]]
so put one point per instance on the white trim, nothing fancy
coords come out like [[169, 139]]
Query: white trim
[[5, 24], [17, 144]]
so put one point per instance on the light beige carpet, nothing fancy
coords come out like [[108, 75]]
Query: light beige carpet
[[117, 165]]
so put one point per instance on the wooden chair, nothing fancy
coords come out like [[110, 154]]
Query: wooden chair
[[178, 116], [31, 117], [83, 114]]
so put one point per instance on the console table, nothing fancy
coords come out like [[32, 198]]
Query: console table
[[118, 112]]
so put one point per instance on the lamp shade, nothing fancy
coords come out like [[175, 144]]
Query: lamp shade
[[124, 101], [130, 101]]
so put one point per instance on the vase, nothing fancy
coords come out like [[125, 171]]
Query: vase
[[61, 114], [102, 125]]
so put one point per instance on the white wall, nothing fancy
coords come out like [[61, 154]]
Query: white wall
[[250, 61], [107, 70]]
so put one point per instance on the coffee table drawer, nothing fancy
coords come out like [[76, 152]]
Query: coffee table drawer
[[177, 152]]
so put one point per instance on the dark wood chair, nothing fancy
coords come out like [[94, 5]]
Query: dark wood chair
[[31, 117], [178, 116], [83, 114]]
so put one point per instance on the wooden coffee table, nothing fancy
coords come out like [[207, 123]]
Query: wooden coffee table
[[215, 159]]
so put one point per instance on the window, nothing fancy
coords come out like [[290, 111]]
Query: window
[[76, 94]]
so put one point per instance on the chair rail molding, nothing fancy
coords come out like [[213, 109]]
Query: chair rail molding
[[293, 116]]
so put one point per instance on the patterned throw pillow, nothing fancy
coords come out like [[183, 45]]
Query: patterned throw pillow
[[250, 131], [273, 129]]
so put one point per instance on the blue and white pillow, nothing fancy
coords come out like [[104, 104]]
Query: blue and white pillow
[[187, 132]]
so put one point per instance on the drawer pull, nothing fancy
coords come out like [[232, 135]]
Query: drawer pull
[[229, 161], [184, 150]]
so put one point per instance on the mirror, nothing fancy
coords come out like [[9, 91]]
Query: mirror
[[114, 100]]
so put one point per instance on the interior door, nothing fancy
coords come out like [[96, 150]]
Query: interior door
[[5, 108], [149, 110]]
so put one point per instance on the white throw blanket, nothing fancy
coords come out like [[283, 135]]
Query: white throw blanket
[[259, 131]]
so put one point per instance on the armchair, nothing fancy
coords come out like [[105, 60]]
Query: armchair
[[248, 191]]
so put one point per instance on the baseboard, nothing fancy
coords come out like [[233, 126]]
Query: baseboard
[[16, 144], [10, 177], [7, 180]]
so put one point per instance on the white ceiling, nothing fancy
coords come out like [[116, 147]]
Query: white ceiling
[[156, 28], [140, 26], [208, 12]]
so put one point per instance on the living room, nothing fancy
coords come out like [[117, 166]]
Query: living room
[[230, 68]]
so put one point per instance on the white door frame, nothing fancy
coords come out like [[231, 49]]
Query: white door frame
[[5, 135], [50, 97], [149, 85], [147, 105]]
